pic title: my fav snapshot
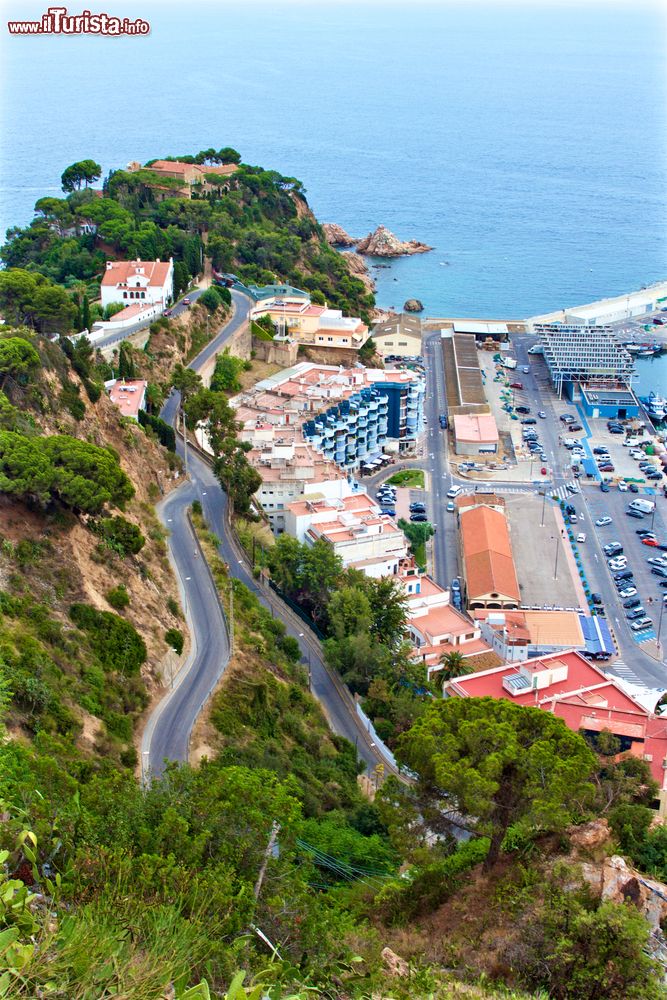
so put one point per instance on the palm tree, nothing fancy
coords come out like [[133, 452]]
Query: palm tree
[[454, 665]]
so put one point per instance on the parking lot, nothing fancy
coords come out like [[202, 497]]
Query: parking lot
[[624, 530], [540, 553]]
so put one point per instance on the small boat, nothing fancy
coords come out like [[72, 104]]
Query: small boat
[[646, 352]]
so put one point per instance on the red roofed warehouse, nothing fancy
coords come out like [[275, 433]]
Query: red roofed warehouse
[[488, 565]]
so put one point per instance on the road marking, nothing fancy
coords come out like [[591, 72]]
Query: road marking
[[188, 578]]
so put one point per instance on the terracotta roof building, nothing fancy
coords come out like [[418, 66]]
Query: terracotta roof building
[[129, 395], [488, 565], [129, 282]]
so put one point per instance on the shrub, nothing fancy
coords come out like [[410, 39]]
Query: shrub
[[121, 535], [174, 637], [173, 607], [116, 643], [118, 597]]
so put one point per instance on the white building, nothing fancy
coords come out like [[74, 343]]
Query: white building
[[355, 529], [143, 282]]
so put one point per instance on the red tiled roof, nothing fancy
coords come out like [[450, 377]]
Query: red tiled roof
[[119, 272], [487, 554]]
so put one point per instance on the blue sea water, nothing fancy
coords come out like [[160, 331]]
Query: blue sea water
[[526, 143]]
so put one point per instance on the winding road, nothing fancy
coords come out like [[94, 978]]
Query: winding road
[[167, 732]]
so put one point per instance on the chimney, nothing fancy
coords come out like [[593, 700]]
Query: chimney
[[109, 265]]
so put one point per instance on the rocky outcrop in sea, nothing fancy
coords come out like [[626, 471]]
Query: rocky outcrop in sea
[[414, 306], [336, 235], [383, 243]]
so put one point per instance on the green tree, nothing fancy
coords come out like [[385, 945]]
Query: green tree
[[228, 155], [187, 382], [86, 477], [83, 172], [126, 365], [500, 764], [225, 376], [349, 612], [25, 470], [18, 357], [320, 571], [453, 665], [389, 608], [118, 597]]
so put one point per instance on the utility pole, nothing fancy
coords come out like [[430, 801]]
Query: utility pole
[[185, 442], [231, 616], [275, 829]]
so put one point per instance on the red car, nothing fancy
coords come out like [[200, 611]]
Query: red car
[[516, 385], [167, 312], [543, 471], [650, 541], [186, 301]]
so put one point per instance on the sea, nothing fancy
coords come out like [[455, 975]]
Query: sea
[[525, 142]]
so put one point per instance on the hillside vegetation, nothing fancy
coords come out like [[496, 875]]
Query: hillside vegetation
[[270, 867]]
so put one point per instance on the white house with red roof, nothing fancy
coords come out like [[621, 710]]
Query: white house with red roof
[[138, 282]]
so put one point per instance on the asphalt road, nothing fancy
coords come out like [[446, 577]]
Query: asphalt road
[[118, 336], [166, 736], [168, 729]]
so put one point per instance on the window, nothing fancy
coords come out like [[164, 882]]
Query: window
[[124, 295], [143, 295], [330, 339]]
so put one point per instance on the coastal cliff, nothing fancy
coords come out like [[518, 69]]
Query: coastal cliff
[[336, 236], [359, 268]]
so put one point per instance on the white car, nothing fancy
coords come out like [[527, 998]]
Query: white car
[[526, 369], [628, 592], [581, 537], [616, 564], [657, 561], [542, 414], [623, 487], [601, 521]]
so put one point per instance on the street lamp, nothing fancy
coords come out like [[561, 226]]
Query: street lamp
[[557, 551], [657, 640]]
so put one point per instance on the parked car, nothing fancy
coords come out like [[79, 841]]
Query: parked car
[[623, 486], [581, 537], [635, 513], [645, 533], [454, 492], [613, 548], [542, 414], [451, 507], [418, 517], [601, 521], [604, 486], [418, 508], [641, 625], [657, 561], [638, 612], [443, 420], [654, 476], [632, 602], [523, 409], [575, 427], [529, 420], [186, 300], [628, 592], [659, 571], [596, 599], [456, 584], [167, 312], [525, 369], [633, 487], [650, 541], [625, 574], [516, 385]]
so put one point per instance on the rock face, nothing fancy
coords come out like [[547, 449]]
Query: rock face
[[359, 268], [382, 243], [413, 306], [336, 235]]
